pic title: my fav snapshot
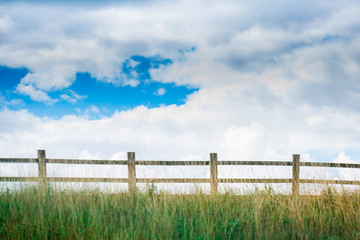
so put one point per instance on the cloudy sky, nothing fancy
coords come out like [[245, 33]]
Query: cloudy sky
[[180, 79]]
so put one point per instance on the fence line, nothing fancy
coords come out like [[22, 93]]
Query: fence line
[[213, 163]]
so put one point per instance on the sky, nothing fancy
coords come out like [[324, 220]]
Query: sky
[[255, 80]]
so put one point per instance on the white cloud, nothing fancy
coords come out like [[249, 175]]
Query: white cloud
[[246, 142], [35, 94], [133, 63], [84, 154], [4, 102], [344, 173], [232, 125], [92, 112], [71, 96], [160, 91], [5, 23], [230, 41], [119, 156]]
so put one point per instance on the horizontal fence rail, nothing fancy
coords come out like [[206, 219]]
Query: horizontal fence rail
[[84, 161], [18, 160], [213, 163]]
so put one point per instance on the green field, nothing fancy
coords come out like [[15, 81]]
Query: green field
[[50, 214]]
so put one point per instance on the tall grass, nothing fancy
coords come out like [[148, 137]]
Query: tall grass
[[31, 213]]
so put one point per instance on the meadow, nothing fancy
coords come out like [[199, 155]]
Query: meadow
[[35, 213]]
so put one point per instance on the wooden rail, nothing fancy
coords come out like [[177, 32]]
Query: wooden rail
[[43, 179]]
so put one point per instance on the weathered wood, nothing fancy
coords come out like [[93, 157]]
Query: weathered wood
[[131, 172], [173, 180], [340, 165], [213, 173], [132, 180], [296, 175], [19, 179], [165, 163], [173, 163], [178, 180], [342, 182], [42, 167], [83, 161], [254, 180], [18, 160], [87, 180], [256, 163]]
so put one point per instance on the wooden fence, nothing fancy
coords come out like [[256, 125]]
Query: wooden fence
[[42, 178]]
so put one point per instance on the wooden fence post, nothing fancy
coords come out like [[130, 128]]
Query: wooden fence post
[[42, 167], [131, 172], [213, 173], [296, 175]]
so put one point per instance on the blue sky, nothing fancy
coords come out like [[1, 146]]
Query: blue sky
[[181, 79], [87, 91]]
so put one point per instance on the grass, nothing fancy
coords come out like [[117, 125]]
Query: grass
[[64, 214]]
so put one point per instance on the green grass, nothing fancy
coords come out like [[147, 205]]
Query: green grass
[[54, 214]]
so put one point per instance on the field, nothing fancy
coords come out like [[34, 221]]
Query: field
[[31, 213]]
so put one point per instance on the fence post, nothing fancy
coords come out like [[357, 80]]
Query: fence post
[[296, 175], [42, 167], [131, 172], [213, 173]]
